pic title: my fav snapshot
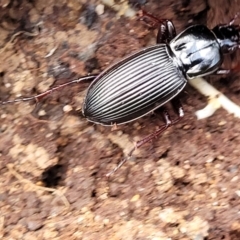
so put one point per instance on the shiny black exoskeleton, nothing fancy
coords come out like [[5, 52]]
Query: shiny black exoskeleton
[[199, 51]]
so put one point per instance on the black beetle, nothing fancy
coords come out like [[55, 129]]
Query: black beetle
[[147, 79]]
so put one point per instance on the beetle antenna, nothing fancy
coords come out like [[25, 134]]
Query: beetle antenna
[[237, 15], [38, 97]]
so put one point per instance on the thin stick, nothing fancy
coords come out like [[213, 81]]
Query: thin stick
[[28, 182], [14, 36]]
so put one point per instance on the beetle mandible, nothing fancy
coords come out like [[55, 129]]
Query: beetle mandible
[[155, 75]]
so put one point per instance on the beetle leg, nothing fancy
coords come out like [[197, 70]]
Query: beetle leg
[[222, 71], [38, 97], [166, 29], [232, 21], [176, 103], [166, 32], [168, 122], [138, 144], [227, 71], [143, 15]]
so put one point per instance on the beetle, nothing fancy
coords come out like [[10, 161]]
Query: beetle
[[146, 80]]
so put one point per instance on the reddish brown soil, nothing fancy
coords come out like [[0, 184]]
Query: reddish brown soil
[[184, 185]]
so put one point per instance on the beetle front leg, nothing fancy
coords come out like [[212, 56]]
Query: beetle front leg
[[166, 32], [221, 71], [168, 122], [166, 29]]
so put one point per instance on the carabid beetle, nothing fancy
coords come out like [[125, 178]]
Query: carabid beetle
[[146, 80], [153, 76]]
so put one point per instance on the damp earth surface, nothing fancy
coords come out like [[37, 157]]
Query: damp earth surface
[[183, 185]]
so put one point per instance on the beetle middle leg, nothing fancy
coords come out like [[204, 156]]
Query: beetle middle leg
[[168, 123]]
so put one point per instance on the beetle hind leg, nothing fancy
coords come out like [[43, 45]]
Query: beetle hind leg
[[168, 122]]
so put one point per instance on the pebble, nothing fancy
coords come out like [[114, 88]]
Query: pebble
[[99, 9], [8, 85], [135, 198], [4, 115], [195, 228], [168, 215], [177, 172], [106, 221], [114, 190], [221, 123], [186, 127], [34, 224], [42, 113], [67, 108], [238, 193], [220, 157], [234, 179], [50, 234]]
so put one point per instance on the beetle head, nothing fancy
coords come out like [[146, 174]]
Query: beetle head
[[228, 37]]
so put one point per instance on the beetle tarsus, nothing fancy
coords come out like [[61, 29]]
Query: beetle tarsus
[[122, 162], [117, 167]]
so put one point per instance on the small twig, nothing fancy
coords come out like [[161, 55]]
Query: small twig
[[28, 182], [51, 52], [14, 36], [215, 100]]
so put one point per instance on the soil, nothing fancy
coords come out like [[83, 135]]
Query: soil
[[183, 185]]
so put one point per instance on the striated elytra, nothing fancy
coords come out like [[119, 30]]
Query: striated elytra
[[148, 79], [133, 87]]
